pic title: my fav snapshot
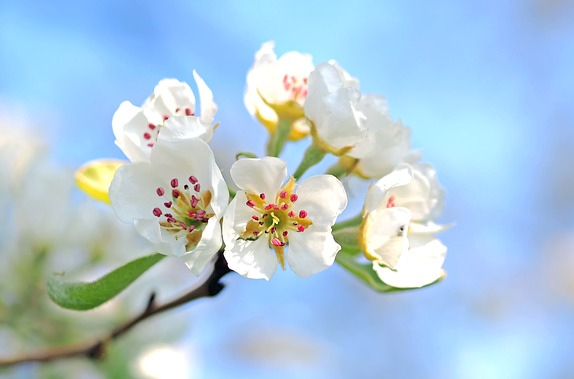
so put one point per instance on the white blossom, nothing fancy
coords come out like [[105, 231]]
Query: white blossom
[[398, 227], [175, 201], [282, 81], [171, 106], [267, 214]]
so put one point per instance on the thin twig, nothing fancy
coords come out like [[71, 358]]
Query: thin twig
[[97, 349]]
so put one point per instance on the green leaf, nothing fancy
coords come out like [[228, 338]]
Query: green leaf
[[366, 274], [87, 295]]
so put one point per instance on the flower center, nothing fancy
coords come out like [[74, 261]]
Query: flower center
[[183, 211], [151, 133], [295, 87], [276, 219]]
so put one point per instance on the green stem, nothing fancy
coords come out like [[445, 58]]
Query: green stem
[[313, 155], [355, 221], [278, 138]]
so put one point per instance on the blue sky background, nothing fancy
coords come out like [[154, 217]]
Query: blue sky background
[[487, 90]]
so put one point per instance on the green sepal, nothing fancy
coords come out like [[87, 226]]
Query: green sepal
[[245, 154], [87, 295]]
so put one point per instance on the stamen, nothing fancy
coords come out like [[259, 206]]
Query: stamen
[[291, 214], [188, 112], [197, 187], [276, 242], [151, 126], [283, 194], [192, 179], [157, 212], [165, 117], [147, 135], [250, 203], [159, 191], [262, 196], [194, 201], [284, 206], [175, 193], [174, 183], [168, 204], [301, 228], [391, 202], [294, 197], [255, 217], [285, 233], [302, 213]]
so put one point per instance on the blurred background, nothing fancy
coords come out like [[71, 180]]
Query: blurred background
[[487, 89]]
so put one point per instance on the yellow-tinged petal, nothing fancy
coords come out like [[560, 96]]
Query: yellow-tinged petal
[[95, 177], [289, 110]]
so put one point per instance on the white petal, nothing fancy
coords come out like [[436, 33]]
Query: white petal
[[133, 191], [264, 57], [206, 249], [171, 95], [418, 267], [129, 125], [163, 242], [311, 251], [427, 228], [385, 234], [180, 127], [423, 195], [191, 156], [259, 175], [208, 106], [377, 193], [323, 197], [252, 259]]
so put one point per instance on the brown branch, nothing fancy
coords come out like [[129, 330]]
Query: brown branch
[[97, 349]]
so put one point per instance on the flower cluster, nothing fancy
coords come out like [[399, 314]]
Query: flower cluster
[[174, 193]]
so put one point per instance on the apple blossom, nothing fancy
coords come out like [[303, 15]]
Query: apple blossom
[[332, 105], [172, 105], [175, 201], [266, 213], [397, 229], [274, 83]]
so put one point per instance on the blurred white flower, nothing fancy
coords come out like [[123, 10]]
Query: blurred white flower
[[267, 214], [167, 362], [332, 105], [397, 229], [172, 105], [278, 82], [175, 201]]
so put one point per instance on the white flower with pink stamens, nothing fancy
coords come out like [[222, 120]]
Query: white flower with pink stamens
[[397, 232], [332, 105], [175, 201], [171, 106], [281, 82], [267, 215]]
